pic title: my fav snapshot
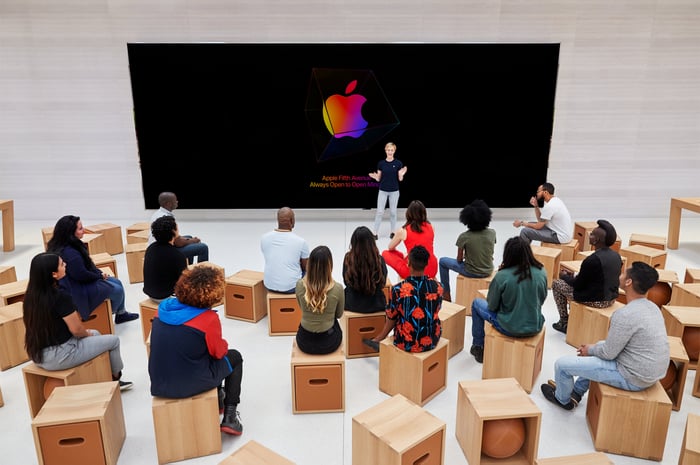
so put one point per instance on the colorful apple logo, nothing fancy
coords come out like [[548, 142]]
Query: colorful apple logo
[[343, 114]]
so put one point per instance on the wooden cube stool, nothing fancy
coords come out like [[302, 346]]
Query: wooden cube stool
[[318, 381], [582, 233], [655, 242], [690, 449], [513, 357], [8, 274], [641, 253], [283, 314], [593, 458], [12, 331], [2, 401], [93, 371], [112, 235], [683, 294], [85, 421], [7, 209], [13, 292], [245, 297], [495, 399], [692, 275], [550, 258], [136, 227], [357, 326], [397, 432], [101, 318], [138, 236], [676, 320], [629, 423], [568, 250], [148, 309], [420, 376], [467, 289], [453, 318], [186, 428], [588, 325], [135, 254], [254, 453], [679, 357], [104, 259]]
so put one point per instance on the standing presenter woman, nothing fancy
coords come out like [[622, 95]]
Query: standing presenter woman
[[390, 172]]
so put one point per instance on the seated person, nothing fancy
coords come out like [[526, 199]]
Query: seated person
[[417, 230], [322, 301], [597, 282], [188, 353], [474, 247], [285, 255], [87, 285], [634, 355], [364, 273], [191, 246], [163, 262], [413, 309], [514, 301]]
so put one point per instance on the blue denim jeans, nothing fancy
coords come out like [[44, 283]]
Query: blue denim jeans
[[587, 369], [199, 250], [449, 263], [481, 313], [382, 197], [116, 295]]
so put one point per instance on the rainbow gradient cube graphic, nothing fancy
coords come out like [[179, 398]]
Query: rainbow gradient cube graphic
[[346, 111]]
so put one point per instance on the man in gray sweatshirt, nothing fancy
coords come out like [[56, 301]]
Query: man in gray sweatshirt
[[634, 356]]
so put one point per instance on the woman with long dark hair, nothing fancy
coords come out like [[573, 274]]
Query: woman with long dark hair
[[88, 286], [513, 304], [364, 274], [55, 338]]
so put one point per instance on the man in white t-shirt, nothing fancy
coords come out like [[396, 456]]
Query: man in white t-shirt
[[553, 220], [285, 254]]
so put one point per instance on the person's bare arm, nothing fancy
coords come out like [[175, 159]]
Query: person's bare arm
[[399, 235], [377, 175], [388, 326], [402, 172], [75, 325]]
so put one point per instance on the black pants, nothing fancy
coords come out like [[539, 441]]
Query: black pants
[[320, 343], [232, 383]]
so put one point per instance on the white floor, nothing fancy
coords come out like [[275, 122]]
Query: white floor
[[266, 410]]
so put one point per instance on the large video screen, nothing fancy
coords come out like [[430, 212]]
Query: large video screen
[[262, 125]]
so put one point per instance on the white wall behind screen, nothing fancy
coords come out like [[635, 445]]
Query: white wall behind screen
[[627, 117]]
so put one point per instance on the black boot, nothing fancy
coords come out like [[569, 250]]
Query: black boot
[[222, 395], [231, 424]]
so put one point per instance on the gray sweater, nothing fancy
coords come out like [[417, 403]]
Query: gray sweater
[[637, 341]]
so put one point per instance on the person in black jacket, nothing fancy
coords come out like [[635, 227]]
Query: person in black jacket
[[597, 283], [163, 262]]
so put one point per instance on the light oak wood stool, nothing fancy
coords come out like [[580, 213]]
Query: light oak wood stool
[[104, 259], [588, 325], [692, 275], [513, 357], [480, 401], [245, 297], [419, 376], [593, 458], [357, 326], [13, 292], [568, 250], [112, 234], [397, 432], [318, 381], [628, 423], [679, 357], [690, 449], [135, 253], [12, 331], [93, 371], [186, 428], [254, 453], [467, 289], [283, 314], [676, 320], [453, 318], [8, 274], [655, 242], [685, 294], [136, 227], [550, 258], [148, 309], [101, 318], [85, 421], [640, 253]]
